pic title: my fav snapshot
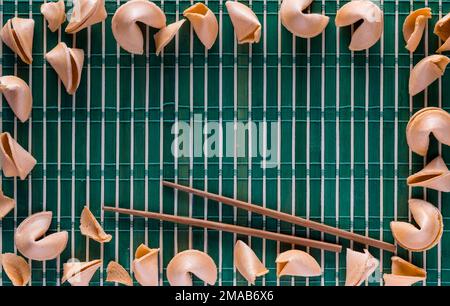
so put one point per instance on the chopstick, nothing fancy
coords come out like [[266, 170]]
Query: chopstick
[[286, 217], [229, 228]]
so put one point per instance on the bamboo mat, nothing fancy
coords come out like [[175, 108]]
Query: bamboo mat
[[343, 157]]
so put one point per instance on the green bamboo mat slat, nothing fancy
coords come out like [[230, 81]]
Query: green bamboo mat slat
[[317, 90]]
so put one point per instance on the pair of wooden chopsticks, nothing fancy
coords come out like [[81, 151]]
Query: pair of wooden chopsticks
[[256, 232], [229, 228]]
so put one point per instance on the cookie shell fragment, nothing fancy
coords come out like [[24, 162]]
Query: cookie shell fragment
[[359, 267], [18, 34], [247, 263], [442, 29], [414, 27], [54, 13], [204, 23], [297, 263], [6, 204], [80, 273], [86, 13], [245, 22], [166, 34], [403, 273], [90, 227], [116, 273], [16, 268], [425, 72], [15, 160]]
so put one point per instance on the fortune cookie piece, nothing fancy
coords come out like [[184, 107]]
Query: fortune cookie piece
[[125, 23], [414, 27], [86, 13], [297, 263], [429, 120], [31, 242], [191, 262], [403, 273], [442, 29], [359, 267], [435, 176], [204, 23], [145, 266], [80, 273], [428, 231], [116, 273], [6, 204], [90, 227], [166, 34], [16, 268], [54, 13], [425, 72], [15, 160], [18, 34], [371, 28], [68, 64], [245, 22], [300, 23], [18, 95], [247, 263]]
